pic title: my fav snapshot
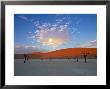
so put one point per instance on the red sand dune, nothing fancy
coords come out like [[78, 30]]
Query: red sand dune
[[67, 53]]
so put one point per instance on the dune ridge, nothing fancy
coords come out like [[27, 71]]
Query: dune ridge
[[62, 53]]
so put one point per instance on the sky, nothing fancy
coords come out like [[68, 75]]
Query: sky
[[49, 32]]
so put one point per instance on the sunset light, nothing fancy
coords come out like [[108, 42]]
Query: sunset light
[[49, 32]]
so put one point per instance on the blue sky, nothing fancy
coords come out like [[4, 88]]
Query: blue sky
[[48, 32]]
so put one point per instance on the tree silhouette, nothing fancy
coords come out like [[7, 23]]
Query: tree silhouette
[[85, 54], [77, 59], [95, 56], [25, 57]]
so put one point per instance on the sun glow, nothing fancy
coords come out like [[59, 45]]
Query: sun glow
[[52, 34], [53, 42], [50, 40]]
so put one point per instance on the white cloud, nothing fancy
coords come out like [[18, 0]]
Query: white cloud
[[93, 42], [32, 37], [21, 49], [36, 31], [29, 32], [61, 30], [74, 30], [18, 46], [90, 44], [23, 17], [58, 32], [54, 25], [78, 32], [52, 29]]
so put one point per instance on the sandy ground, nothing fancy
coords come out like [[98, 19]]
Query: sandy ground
[[55, 67]]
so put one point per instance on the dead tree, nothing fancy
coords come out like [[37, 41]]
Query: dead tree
[[85, 54], [25, 57], [95, 56], [77, 59], [85, 57]]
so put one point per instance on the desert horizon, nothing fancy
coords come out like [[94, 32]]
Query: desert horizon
[[68, 53]]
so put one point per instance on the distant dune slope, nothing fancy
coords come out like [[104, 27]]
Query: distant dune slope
[[63, 53]]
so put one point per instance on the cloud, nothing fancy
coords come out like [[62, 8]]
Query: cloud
[[37, 31], [61, 30], [90, 44], [59, 35], [31, 20], [32, 37], [74, 30], [29, 32], [93, 42], [23, 17], [20, 49], [51, 34], [18, 46], [30, 47]]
